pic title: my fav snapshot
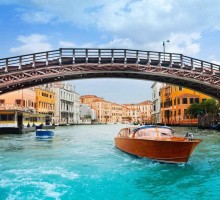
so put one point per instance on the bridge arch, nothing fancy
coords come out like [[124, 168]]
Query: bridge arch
[[79, 63]]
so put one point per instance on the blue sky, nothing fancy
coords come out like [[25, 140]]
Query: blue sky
[[192, 26]]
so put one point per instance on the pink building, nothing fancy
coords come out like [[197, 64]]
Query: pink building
[[19, 100]]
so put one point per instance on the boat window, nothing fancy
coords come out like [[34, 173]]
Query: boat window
[[154, 132], [126, 132]]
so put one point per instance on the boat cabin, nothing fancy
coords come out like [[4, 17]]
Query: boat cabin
[[147, 132]]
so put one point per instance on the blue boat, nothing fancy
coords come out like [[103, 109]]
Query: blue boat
[[44, 134], [215, 126]]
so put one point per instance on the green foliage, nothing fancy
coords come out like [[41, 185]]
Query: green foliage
[[209, 106], [194, 110], [87, 117]]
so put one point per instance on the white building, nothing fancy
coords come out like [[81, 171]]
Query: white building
[[87, 114], [76, 108], [156, 102], [66, 104]]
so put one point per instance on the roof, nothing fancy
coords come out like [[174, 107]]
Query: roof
[[151, 126]]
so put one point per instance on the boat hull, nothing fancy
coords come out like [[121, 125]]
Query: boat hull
[[44, 134], [171, 151]]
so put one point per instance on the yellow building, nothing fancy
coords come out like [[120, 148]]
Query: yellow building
[[174, 102], [45, 103]]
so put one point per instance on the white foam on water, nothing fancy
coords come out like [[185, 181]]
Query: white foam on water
[[48, 188], [6, 183], [61, 172], [14, 196], [57, 171]]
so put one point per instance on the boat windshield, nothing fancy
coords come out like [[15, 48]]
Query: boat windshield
[[154, 132]]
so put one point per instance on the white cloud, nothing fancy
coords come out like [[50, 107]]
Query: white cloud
[[142, 24], [32, 43], [119, 43], [187, 44], [67, 44], [37, 17], [143, 20], [217, 62]]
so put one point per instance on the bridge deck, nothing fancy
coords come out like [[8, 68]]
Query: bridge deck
[[15, 72]]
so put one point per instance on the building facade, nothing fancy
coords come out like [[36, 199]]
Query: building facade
[[156, 115], [140, 113], [45, 103], [110, 112], [24, 99], [66, 104], [174, 103]]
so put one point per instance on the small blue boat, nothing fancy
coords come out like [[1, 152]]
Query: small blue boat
[[44, 134]]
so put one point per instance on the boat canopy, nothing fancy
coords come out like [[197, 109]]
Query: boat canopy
[[153, 131], [152, 126]]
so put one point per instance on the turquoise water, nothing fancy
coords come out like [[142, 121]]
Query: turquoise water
[[81, 162]]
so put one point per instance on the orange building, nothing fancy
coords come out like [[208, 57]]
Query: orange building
[[109, 112], [101, 107], [174, 102], [24, 99], [140, 113]]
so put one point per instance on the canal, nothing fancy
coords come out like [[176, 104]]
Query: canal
[[81, 162]]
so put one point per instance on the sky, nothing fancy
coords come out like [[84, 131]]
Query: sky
[[191, 26]]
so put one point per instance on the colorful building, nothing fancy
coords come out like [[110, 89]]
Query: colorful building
[[174, 103], [110, 112], [45, 102], [140, 112], [24, 99]]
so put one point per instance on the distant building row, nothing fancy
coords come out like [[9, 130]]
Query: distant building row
[[109, 112], [58, 102]]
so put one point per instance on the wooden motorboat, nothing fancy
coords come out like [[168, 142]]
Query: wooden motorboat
[[157, 143]]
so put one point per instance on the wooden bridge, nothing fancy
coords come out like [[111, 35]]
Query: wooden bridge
[[80, 63]]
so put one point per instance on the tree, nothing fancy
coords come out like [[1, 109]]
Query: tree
[[210, 106], [194, 110]]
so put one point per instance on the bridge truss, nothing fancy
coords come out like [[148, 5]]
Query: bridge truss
[[79, 63]]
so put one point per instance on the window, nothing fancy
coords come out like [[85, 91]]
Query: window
[[18, 101], [174, 101], [191, 100], [11, 117], [2, 101], [184, 100], [3, 117], [180, 88], [178, 101], [196, 100]]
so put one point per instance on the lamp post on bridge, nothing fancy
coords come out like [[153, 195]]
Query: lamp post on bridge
[[164, 48]]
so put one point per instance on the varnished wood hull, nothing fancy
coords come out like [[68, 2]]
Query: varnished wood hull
[[172, 151]]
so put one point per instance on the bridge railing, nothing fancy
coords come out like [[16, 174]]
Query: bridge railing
[[106, 56]]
